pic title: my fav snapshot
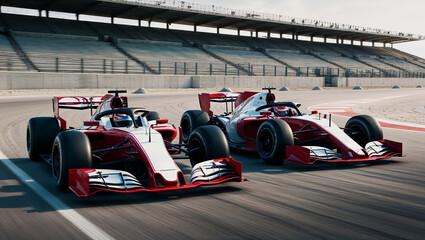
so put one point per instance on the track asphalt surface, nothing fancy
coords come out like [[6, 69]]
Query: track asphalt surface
[[374, 200]]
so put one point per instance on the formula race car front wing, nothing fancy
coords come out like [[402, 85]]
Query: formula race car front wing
[[86, 182], [373, 151]]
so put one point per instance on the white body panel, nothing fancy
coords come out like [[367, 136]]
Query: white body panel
[[335, 131], [153, 147], [248, 109], [156, 151]]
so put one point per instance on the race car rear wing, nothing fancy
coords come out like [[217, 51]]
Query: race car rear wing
[[74, 103], [79, 102], [234, 98]]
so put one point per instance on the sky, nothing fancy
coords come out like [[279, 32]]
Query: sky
[[404, 16]]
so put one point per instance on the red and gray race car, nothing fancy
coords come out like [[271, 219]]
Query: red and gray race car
[[279, 132], [124, 149]]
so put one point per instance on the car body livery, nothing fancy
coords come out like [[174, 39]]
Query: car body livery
[[279, 132], [124, 149]]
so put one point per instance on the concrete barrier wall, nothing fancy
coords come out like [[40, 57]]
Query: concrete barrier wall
[[30, 80], [35, 80], [378, 82], [255, 82]]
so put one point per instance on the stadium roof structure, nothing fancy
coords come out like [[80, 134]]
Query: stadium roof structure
[[180, 12]]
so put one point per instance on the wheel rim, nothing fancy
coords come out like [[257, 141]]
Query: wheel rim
[[56, 161], [266, 141]]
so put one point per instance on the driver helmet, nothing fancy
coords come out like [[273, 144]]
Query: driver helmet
[[281, 111], [121, 120]]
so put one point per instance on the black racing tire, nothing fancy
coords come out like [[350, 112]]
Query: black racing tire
[[152, 116], [71, 149], [364, 129], [207, 143], [272, 138], [191, 120], [41, 132]]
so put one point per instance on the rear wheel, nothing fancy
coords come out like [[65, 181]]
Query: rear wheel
[[71, 149], [41, 132], [207, 143], [191, 120], [364, 129], [272, 137]]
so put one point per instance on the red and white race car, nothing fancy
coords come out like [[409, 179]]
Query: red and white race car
[[124, 149], [279, 132]]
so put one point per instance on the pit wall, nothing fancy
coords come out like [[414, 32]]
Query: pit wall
[[377, 82], [35, 80]]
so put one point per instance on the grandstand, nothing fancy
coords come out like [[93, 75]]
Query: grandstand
[[58, 45]]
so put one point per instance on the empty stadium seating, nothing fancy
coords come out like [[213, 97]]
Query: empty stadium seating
[[71, 27], [270, 43], [20, 23], [244, 57], [78, 46], [377, 64], [173, 57], [403, 65], [211, 39], [95, 56], [9, 60], [145, 33]]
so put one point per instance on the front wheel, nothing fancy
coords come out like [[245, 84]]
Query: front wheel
[[207, 143], [364, 129], [272, 138], [71, 150]]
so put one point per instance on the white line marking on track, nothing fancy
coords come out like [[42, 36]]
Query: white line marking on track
[[336, 108], [331, 110], [330, 107], [400, 123], [82, 223]]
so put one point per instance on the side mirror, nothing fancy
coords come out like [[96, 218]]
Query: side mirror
[[161, 121], [91, 123], [266, 113]]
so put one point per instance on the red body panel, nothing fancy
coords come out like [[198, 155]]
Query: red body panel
[[119, 153], [244, 96], [307, 132], [204, 102], [205, 99], [247, 129], [168, 132], [113, 137]]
